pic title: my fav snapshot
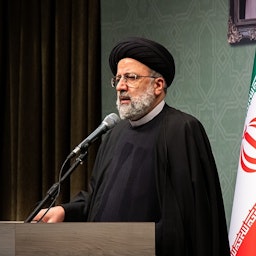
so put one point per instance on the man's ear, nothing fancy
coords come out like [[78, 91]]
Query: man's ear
[[159, 85]]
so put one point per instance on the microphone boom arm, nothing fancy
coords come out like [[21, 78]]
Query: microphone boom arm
[[108, 123], [52, 192]]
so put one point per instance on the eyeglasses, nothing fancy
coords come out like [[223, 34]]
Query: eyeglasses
[[129, 79]]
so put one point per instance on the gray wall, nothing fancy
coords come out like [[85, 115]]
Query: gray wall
[[212, 79]]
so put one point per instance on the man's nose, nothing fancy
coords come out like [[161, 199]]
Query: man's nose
[[122, 84]]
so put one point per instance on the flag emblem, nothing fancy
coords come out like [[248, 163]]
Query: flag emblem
[[248, 151]]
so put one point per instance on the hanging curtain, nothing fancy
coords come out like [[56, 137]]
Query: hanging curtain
[[50, 91]]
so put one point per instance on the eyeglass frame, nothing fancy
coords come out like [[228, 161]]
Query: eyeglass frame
[[126, 78]]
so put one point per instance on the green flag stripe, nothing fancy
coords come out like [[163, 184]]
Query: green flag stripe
[[253, 83]]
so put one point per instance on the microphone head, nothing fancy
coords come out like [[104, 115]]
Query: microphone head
[[111, 120]]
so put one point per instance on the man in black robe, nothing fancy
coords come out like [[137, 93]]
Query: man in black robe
[[155, 165]]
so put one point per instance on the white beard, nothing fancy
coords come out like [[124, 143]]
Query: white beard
[[139, 105]]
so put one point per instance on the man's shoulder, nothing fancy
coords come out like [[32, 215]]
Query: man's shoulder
[[176, 116]]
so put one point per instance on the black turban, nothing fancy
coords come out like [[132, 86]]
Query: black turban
[[150, 53]]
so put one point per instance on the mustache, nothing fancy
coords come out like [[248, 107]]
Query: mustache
[[124, 96]]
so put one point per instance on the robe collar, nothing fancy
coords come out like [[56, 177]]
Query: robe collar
[[148, 117]]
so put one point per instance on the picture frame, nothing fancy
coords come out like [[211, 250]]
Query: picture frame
[[242, 22]]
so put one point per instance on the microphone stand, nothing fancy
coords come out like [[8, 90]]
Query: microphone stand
[[50, 196]]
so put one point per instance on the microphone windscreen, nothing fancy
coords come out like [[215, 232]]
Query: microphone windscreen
[[111, 120]]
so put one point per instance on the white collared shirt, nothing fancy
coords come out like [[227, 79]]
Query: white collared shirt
[[154, 112]]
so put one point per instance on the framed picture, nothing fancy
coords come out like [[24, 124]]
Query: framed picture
[[242, 21]]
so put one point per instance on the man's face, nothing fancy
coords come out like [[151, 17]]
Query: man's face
[[135, 97]]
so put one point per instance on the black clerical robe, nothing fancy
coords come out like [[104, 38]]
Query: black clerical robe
[[192, 218]]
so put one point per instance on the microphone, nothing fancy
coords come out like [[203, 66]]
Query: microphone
[[108, 123]]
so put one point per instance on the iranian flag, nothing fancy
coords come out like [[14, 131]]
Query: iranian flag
[[242, 233]]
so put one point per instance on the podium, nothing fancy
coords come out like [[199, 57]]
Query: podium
[[77, 239]]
